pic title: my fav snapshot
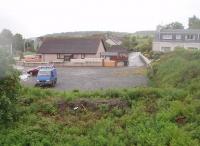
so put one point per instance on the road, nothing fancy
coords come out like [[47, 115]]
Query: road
[[92, 78]]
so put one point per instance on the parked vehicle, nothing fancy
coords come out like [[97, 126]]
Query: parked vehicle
[[34, 71], [47, 76]]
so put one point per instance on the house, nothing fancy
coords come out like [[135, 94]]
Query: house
[[61, 49], [137, 59], [167, 40], [113, 41], [115, 51], [119, 49]]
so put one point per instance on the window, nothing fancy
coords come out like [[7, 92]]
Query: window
[[167, 37], [82, 56], [60, 56], [63, 56], [178, 37], [165, 49], [190, 37], [44, 73]]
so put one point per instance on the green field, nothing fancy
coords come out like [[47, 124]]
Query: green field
[[167, 113]]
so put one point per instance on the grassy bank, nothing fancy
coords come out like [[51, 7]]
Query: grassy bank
[[167, 113]]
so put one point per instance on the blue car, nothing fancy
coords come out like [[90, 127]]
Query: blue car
[[47, 77]]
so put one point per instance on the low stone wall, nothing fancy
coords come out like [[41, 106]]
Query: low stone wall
[[75, 63], [31, 64]]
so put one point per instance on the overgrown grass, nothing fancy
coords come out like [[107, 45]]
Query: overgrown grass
[[166, 114], [179, 69]]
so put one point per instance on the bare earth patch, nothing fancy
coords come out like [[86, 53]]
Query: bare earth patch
[[92, 105]]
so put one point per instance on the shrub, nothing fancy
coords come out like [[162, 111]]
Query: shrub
[[9, 90], [176, 69]]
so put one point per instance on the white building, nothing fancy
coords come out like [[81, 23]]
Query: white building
[[167, 40]]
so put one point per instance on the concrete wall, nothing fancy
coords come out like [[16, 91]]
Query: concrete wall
[[157, 46], [136, 59], [89, 62]]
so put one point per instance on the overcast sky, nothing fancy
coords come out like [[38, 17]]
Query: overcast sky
[[33, 18]]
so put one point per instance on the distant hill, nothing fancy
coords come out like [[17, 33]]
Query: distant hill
[[103, 34]]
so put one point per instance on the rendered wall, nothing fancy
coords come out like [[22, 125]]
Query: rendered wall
[[158, 45]]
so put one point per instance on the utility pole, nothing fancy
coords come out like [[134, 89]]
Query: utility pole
[[24, 45], [11, 49]]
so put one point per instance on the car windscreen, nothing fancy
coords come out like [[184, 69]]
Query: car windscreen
[[44, 73]]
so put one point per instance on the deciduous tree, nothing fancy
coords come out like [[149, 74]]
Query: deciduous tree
[[18, 42], [174, 25], [6, 37], [194, 22]]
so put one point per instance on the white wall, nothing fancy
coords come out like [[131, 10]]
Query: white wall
[[135, 60], [158, 45]]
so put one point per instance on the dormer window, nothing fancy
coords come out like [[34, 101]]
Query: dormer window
[[167, 37]]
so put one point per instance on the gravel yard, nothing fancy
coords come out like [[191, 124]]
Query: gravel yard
[[85, 78]]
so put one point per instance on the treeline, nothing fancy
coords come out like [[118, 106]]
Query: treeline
[[16, 42]]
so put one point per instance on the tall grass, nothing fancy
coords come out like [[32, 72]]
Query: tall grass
[[179, 69]]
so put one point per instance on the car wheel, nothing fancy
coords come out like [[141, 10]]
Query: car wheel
[[53, 83]]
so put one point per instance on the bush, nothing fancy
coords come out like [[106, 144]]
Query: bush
[[177, 69], [9, 90]]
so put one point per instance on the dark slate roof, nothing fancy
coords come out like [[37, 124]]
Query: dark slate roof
[[174, 32], [180, 30], [69, 46], [118, 49]]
